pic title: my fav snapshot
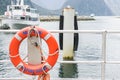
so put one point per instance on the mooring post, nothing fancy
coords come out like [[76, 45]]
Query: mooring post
[[68, 38], [68, 41]]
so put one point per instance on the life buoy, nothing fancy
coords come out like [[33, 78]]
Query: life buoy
[[33, 69], [7, 13]]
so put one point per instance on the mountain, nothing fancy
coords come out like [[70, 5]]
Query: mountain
[[114, 6], [44, 11], [83, 7], [49, 4], [87, 7], [3, 6]]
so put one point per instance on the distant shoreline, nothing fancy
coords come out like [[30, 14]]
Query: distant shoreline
[[56, 18]]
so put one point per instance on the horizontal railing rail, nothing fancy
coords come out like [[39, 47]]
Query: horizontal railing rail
[[35, 79], [80, 62], [72, 31]]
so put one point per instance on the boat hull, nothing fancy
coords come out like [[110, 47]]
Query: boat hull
[[19, 24]]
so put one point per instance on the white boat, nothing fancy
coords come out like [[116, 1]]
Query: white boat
[[19, 15]]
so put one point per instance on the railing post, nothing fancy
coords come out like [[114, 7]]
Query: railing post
[[103, 55]]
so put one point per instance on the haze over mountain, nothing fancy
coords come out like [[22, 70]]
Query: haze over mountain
[[83, 7], [87, 7], [50, 4], [114, 6]]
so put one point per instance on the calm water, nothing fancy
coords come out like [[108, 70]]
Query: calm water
[[89, 49]]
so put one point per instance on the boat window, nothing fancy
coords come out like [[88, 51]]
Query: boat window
[[34, 19], [22, 18], [28, 10], [17, 7], [27, 17], [10, 9]]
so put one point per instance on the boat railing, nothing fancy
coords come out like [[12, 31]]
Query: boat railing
[[103, 62]]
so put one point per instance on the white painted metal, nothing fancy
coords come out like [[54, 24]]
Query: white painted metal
[[14, 79], [103, 55], [34, 44], [68, 39], [51, 79], [79, 62], [70, 31], [34, 52]]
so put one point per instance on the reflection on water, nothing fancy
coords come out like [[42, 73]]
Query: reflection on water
[[67, 70]]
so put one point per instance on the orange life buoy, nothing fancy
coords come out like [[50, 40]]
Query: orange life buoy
[[33, 69], [7, 13]]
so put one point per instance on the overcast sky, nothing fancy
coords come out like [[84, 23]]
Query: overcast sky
[[50, 4]]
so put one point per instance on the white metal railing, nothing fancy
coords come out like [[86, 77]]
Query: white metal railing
[[103, 32], [81, 62], [72, 31]]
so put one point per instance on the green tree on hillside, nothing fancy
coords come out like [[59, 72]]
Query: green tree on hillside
[[3, 6]]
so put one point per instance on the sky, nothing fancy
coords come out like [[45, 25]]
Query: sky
[[50, 4]]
